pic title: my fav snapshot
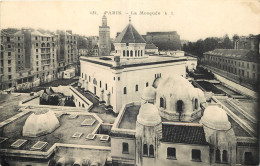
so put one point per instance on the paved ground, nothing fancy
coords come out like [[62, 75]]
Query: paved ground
[[9, 105]]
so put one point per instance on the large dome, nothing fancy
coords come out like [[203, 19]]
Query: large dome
[[40, 123], [177, 86], [215, 118], [148, 115], [149, 93]]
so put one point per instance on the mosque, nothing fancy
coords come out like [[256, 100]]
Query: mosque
[[160, 118], [174, 125], [119, 79]]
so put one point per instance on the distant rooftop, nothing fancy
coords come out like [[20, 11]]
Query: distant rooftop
[[240, 54]]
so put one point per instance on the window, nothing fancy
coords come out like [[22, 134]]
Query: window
[[125, 147], [9, 54], [36, 38], [18, 44], [124, 90], [249, 158], [195, 155], [136, 88], [196, 104], [106, 86], [89, 79], [36, 44], [118, 78], [36, 56], [171, 153], [124, 53], [9, 77], [224, 156], [9, 69], [9, 62], [8, 38], [147, 84], [145, 150], [179, 108], [217, 157], [162, 103], [36, 50], [131, 53], [19, 50], [127, 44], [151, 151], [127, 53], [100, 84]]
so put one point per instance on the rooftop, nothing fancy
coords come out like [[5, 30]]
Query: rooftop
[[129, 35], [68, 127], [187, 134], [240, 54], [9, 105], [131, 62]]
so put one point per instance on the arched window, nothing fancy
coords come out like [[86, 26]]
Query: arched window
[[94, 81], [145, 150], [124, 90], [151, 151], [106, 86], [179, 108], [224, 157], [48, 44], [196, 104], [100, 84], [127, 53], [85, 76], [162, 102], [138, 52], [131, 53], [136, 88], [83, 105], [217, 157], [89, 79], [43, 44], [79, 104], [135, 53], [141, 52], [147, 84], [124, 53]]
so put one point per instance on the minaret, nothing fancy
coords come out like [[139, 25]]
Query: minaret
[[104, 38]]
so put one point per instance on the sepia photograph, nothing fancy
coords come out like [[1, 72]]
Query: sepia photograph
[[129, 82]]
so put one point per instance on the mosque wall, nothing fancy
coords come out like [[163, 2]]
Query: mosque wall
[[184, 154], [241, 154], [117, 80]]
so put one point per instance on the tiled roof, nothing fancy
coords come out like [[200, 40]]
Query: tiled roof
[[150, 46], [129, 35], [242, 54], [186, 134]]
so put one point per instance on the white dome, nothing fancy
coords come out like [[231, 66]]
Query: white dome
[[148, 115], [40, 123], [215, 118], [149, 93], [177, 86]]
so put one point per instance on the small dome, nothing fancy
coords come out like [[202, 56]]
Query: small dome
[[215, 118], [149, 93], [40, 123], [148, 115]]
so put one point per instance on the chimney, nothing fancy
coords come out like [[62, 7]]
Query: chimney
[[116, 61]]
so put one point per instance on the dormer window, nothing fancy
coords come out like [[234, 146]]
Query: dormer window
[[127, 44]]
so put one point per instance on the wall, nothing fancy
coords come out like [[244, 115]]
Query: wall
[[241, 153], [183, 154], [117, 148]]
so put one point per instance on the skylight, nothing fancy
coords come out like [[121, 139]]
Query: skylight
[[73, 116], [104, 138], [39, 145], [88, 122], [77, 135], [2, 139], [18, 143], [91, 136]]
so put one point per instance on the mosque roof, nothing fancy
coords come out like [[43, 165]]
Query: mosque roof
[[187, 134], [129, 35], [149, 93]]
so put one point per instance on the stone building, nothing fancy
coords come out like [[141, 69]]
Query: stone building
[[164, 40], [104, 38], [7, 61], [67, 55], [117, 80]]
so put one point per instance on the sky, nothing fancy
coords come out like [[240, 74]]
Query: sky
[[192, 19]]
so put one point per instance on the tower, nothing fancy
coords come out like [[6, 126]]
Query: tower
[[104, 38]]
